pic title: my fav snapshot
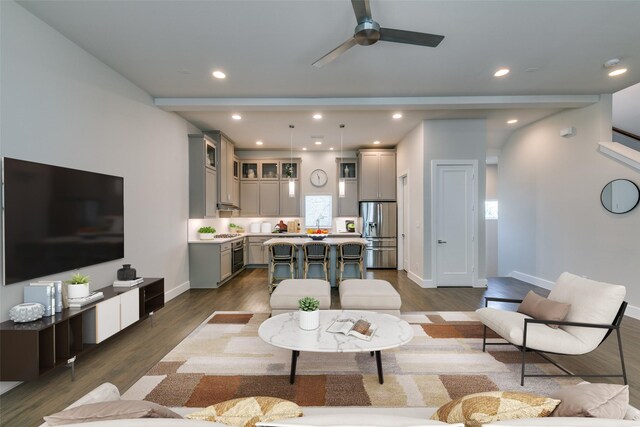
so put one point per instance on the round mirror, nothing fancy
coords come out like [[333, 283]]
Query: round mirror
[[620, 196]]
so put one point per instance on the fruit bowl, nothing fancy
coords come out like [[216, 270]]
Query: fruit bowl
[[317, 236]]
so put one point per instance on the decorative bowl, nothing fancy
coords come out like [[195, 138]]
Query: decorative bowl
[[317, 236]]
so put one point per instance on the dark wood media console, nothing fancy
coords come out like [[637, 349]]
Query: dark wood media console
[[28, 350]]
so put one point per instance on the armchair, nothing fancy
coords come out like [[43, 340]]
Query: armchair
[[597, 309]]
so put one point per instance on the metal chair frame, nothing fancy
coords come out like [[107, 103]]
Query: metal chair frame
[[310, 259], [279, 259], [344, 259], [614, 326]]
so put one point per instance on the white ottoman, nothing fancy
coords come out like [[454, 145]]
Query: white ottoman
[[369, 294], [285, 296]]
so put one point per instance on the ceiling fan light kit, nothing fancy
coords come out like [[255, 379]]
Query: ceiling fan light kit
[[368, 32]]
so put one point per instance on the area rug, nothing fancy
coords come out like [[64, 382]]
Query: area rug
[[224, 358]]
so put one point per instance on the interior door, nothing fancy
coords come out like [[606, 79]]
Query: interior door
[[454, 225]]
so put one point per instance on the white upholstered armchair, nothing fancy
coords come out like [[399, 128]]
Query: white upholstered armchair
[[596, 310]]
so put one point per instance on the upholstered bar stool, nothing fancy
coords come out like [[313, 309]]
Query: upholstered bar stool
[[281, 254], [316, 253], [351, 253]]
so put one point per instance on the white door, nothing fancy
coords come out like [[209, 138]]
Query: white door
[[405, 223], [454, 225]]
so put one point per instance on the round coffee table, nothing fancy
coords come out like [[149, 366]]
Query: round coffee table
[[284, 331]]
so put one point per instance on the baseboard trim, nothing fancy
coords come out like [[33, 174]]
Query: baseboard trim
[[5, 386], [419, 280], [543, 283], [481, 283], [171, 294], [632, 310]]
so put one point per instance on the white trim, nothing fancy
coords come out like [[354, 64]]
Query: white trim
[[543, 283], [172, 293], [632, 310], [481, 283], [620, 152], [423, 283], [401, 207], [475, 222], [5, 386]]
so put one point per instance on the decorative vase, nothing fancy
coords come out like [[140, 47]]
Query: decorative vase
[[346, 172], [126, 272], [75, 290], [205, 236], [27, 312], [309, 320]]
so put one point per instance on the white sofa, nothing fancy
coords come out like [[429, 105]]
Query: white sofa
[[338, 416]]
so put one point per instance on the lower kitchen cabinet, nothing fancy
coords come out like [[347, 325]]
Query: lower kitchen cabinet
[[258, 252], [210, 264], [225, 261]]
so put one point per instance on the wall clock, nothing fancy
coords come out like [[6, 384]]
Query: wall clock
[[318, 178]]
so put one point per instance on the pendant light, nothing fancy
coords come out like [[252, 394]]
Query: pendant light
[[341, 183], [292, 183]]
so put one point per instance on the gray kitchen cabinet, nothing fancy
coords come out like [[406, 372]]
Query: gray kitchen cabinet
[[269, 198], [203, 193], [249, 198], [348, 205], [236, 182], [226, 182], [210, 264], [377, 169], [225, 261], [289, 206], [258, 252]]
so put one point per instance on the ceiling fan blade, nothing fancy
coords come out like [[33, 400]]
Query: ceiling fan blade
[[335, 53], [362, 10], [410, 37]]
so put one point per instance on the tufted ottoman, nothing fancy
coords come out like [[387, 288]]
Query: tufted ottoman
[[369, 294], [285, 296]]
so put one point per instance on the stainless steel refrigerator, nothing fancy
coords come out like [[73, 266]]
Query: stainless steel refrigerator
[[379, 228]]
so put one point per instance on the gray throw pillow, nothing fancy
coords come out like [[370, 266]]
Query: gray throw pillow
[[592, 400], [543, 309], [117, 410]]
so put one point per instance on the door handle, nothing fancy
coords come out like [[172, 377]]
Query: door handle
[[442, 241]]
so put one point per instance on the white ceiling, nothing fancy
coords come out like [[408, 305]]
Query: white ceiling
[[170, 48]]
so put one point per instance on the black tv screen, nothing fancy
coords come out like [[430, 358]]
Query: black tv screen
[[58, 219]]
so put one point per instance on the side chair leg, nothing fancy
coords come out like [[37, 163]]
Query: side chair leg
[[624, 370], [484, 338], [524, 353]]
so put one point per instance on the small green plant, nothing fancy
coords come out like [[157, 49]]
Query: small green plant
[[206, 230], [308, 304], [232, 225], [78, 279]]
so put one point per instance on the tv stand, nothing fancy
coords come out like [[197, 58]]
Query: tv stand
[[31, 349]]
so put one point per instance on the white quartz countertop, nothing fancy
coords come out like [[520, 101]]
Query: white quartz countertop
[[275, 236], [299, 241], [284, 331]]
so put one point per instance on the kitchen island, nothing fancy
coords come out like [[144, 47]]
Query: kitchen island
[[333, 243]]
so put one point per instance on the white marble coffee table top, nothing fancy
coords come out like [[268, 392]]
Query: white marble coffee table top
[[284, 331]]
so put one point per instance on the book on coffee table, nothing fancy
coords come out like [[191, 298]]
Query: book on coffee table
[[357, 328]]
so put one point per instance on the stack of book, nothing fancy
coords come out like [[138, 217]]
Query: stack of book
[[81, 302], [127, 283]]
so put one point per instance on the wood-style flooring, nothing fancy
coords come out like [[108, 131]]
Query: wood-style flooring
[[126, 357]]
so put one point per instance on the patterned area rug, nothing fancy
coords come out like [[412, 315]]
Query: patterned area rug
[[224, 359]]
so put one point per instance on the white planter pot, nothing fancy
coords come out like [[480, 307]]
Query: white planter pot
[[205, 236], [309, 320], [77, 291]]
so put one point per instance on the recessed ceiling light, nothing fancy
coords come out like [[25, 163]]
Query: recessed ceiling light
[[259, 142], [501, 72], [318, 142], [512, 121], [236, 117], [219, 74], [304, 148], [376, 142], [617, 72], [317, 116], [331, 148], [397, 116]]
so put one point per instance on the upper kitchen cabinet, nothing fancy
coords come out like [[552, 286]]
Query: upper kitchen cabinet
[[225, 172], [236, 182], [269, 170], [289, 206], [264, 187], [289, 169], [347, 170], [377, 179], [203, 165]]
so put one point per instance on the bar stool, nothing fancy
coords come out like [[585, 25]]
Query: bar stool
[[284, 254], [351, 253], [316, 253]]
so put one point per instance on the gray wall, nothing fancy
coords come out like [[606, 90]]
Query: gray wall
[[492, 224], [62, 106], [551, 219], [454, 140]]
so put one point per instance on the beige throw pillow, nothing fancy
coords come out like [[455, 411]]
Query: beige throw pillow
[[481, 408], [592, 400], [117, 410], [247, 411], [543, 309]]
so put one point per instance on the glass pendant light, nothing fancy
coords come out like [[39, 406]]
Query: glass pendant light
[[292, 183], [341, 183]]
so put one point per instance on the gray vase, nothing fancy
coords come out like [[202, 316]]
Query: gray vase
[[126, 272]]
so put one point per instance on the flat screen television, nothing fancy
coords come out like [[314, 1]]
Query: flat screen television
[[59, 219]]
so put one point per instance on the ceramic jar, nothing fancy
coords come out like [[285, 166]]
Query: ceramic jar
[[309, 320], [126, 272]]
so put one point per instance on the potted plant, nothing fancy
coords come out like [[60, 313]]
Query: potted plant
[[206, 233], [309, 313], [233, 228], [78, 286]]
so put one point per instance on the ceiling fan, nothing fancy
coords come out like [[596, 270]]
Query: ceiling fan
[[368, 31]]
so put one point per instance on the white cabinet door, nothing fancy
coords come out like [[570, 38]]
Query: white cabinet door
[[387, 177], [129, 308], [107, 318]]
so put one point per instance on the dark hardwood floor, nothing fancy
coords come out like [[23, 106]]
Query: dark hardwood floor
[[126, 357]]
